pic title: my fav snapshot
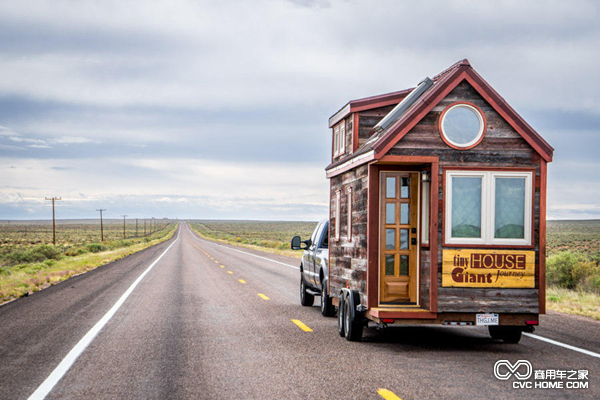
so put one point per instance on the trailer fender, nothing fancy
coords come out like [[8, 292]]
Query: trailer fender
[[354, 298]]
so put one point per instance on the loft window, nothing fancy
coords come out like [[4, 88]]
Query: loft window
[[342, 141], [336, 140], [491, 207], [462, 126]]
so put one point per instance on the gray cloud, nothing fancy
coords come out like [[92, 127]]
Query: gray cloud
[[89, 85]]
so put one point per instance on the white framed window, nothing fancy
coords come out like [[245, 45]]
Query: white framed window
[[338, 215], [488, 207], [349, 214], [336, 140], [342, 149]]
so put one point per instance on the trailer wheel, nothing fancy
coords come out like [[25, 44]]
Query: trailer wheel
[[327, 308], [353, 328], [509, 334], [341, 316], [306, 299]]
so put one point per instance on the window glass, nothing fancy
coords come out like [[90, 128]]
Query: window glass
[[510, 208], [466, 207], [390, 213], [462, 125], [404, 188], [403, 239], [390, 260], [404, 213], [403, 265], [390, 188], [325, 242], [390, 239]]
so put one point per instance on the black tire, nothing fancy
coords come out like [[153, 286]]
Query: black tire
[[306, 299], [509, 334], [327, 308], [341, 316], [353, 327]]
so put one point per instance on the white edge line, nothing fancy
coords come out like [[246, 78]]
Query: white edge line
[[567, 346], [64, 366], [239, 251]]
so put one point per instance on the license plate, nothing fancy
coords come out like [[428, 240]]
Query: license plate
[[487, 319]]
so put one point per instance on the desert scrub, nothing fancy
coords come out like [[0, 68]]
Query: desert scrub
[[269, 236], [573, 302], [17, 280], [573, 271]]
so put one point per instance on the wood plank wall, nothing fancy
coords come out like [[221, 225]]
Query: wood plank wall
[[502, 146], [348, 258]]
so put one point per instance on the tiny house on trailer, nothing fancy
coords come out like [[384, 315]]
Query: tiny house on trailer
[[437, 209]]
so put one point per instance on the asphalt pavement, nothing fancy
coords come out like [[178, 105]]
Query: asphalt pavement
[[214, 321]]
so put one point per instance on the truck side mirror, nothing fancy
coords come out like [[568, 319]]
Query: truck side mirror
[[296, 243]]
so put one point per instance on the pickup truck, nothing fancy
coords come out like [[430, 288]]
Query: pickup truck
[[314, 268]]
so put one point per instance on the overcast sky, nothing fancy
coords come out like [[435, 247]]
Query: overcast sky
[[219, 109]]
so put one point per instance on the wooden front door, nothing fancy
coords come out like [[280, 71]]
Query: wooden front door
[[399, 238]]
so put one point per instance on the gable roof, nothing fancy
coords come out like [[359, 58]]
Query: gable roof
[[380, 143]]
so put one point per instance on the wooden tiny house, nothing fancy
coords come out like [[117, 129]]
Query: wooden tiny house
[[438, 205]]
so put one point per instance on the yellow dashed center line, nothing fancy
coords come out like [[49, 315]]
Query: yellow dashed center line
[[242, 281], [262, 296], [216, 261], [229, 272], [387, 394], [222, 266], [302, 325]]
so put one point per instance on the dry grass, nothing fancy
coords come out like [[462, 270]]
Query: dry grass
[[23, 279], [270, 236], [573, 302]]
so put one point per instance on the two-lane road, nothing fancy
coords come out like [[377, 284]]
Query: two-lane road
[[216, 321]]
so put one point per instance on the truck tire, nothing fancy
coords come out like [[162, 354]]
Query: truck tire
[[340, 320], [509, 334], [353, 327], [327, 308], [306, 299]]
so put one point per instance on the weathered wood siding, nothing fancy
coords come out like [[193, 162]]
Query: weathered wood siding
[[348, 258], [502, 146], [368, 119]]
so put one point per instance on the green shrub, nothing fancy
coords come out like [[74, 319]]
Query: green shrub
[[572, 270], [95, 247], [35, 254], [49, 263]]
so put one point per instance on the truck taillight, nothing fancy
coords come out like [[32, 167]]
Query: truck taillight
[[531, 322], [387, 320]]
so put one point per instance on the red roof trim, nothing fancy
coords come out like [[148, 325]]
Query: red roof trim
[[444, 85]]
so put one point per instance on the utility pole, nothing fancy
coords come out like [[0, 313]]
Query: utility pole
[[53, 218], [124, 216], [101, 226], [136, 225], [144, 226]]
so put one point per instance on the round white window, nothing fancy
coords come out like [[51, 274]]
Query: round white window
[[462, 126]]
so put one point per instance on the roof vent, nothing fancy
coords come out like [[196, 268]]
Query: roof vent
[[403, 105]]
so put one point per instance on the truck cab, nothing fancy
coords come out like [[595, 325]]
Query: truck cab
[[314, 267]]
